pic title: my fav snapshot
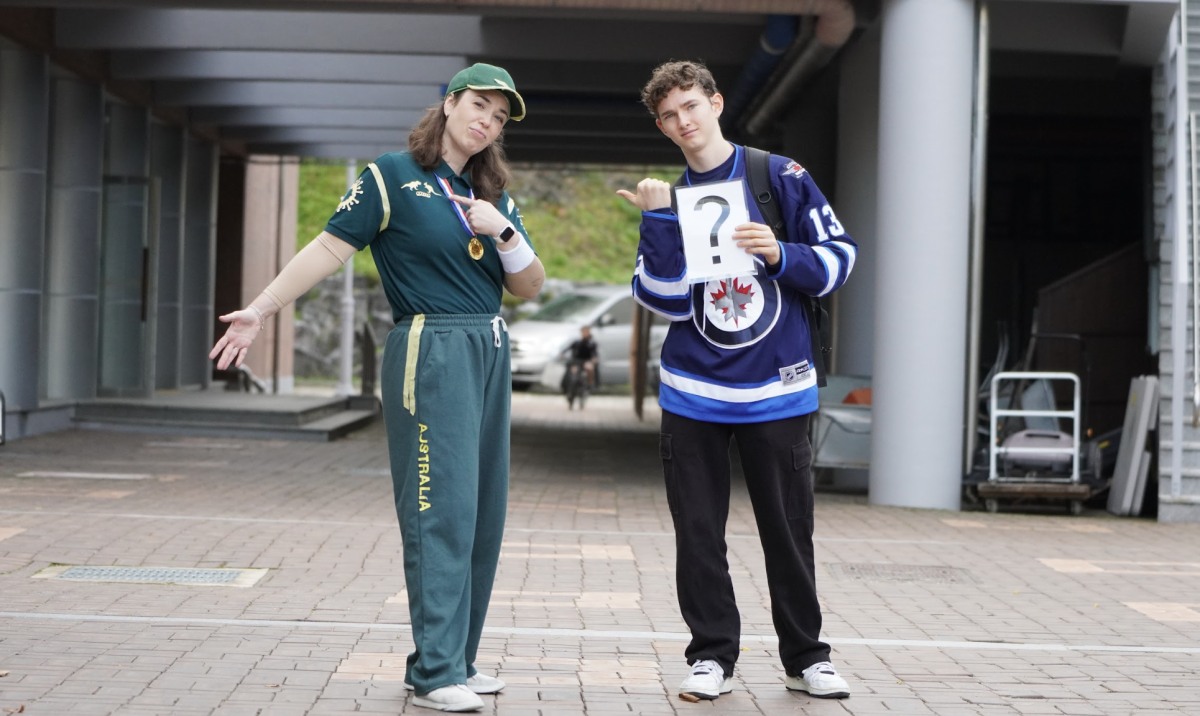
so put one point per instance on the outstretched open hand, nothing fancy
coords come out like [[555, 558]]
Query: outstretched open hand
[[243, 328]]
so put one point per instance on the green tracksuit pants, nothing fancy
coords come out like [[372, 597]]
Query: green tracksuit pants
[[446, 397]]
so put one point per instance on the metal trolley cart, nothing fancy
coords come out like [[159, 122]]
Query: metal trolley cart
[[1041, 456]]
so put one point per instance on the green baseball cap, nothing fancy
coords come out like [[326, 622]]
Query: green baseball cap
[[489, 77]]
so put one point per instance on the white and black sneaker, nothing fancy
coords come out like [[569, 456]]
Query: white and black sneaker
[[707, 681], [820, 680]]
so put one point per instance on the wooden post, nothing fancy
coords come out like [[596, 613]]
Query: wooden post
[[639, 353]]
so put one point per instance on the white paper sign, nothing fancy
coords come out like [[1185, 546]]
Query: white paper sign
[[707, 215]]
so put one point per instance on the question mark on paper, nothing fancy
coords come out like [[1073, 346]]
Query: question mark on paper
[[712, 235]]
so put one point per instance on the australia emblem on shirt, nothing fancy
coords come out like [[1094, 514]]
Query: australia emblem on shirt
[[421, 189], [738, 311]]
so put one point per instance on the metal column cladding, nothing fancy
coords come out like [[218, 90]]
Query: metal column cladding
[[23, 107], [166, 163], [69, 342], [925, 110], [199, 252], [123, 248]]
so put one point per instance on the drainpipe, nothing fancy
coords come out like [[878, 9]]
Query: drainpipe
[[776, 37], [817, 43], [978, 199]]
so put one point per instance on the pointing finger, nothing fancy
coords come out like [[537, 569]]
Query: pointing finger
[[465, 201]]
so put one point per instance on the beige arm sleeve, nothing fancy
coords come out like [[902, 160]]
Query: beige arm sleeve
[[324, 255]]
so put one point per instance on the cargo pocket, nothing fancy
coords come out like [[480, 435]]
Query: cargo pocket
[[664, 452], [800, 492]]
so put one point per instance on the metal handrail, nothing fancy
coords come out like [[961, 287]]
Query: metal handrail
[[995, 412]]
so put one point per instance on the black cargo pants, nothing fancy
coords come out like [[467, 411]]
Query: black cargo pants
[[776, 459]]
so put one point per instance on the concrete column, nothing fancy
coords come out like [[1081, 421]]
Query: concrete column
[[926, 86], [199, 255], [69, 347], [857, 200], [166, 163], [24, 115], [269, 242]]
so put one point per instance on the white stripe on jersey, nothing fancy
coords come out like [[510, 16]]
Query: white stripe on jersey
[[832, 265], [658, 311], [735, 395], [679, 288], [851, 254]]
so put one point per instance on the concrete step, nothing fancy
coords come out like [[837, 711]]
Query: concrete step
[[213, 409], [224, 415]]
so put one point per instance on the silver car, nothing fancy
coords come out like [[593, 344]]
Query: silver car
[[538, 341]]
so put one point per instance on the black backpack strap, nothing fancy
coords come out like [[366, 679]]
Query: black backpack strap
[[681, 181], [758, 172]]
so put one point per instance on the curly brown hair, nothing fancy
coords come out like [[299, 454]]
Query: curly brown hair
[[489, 167], [684, 75]]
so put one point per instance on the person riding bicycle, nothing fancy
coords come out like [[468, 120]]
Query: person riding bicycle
[[584, 352]]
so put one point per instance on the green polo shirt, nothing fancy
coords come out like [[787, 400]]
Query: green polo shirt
[[419, 244]]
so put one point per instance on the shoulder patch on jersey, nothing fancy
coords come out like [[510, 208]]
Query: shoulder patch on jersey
[[351, 198], [793, 170], [511, 205]]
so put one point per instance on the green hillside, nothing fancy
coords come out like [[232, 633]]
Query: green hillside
[[582, 230]]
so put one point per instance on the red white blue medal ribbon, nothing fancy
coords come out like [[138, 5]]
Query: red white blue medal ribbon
[[462, 216]]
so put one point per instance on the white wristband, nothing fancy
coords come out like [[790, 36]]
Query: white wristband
[[518, 259]]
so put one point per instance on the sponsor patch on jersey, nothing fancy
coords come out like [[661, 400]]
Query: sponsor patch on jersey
[[794, 373], [793, 170], [736, 312]]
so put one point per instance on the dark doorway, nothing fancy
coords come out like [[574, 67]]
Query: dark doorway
[[1067, 186]]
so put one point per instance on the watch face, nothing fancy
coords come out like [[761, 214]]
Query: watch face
[[507, 233]]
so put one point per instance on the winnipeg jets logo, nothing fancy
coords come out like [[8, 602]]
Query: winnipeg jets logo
[[736, 312], [733, 301], [793, 170]]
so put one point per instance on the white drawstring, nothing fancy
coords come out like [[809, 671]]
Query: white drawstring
[[497, 324]]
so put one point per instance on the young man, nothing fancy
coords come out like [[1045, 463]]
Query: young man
[[737, 362], [586, 352]]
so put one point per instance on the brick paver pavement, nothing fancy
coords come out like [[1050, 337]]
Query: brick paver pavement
[[1008, 614]]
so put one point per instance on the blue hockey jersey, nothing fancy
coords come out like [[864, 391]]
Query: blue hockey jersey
[[738, 349]]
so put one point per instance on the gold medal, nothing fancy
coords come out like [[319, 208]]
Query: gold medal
[[475, 248]]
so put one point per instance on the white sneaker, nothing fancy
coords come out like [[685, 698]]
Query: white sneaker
[[820, 680], [456, 698], [707, 681], [484, 684], [479, 683]]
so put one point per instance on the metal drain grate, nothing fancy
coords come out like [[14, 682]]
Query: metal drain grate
[[900, 573], [156, 575]]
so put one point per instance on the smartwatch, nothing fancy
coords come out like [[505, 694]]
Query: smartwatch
[[507, 233]]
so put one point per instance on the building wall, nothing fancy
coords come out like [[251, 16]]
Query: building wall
[[71, 320], [84, 247], [857, 199], [24, 100], [1185, 507]]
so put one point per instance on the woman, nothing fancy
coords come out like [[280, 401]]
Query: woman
[[446, 238]]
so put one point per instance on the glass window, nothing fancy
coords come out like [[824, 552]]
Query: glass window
[[621, 312], [568, 308]]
